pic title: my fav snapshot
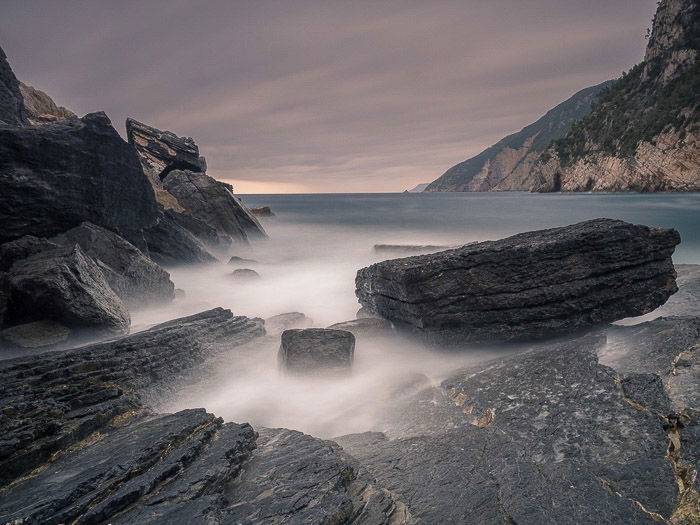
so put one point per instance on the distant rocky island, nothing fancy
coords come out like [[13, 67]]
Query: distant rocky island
[[639, 133]]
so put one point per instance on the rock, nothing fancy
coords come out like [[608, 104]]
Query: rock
[[201, 230], [136, 279], [12, 110], [162, 151], [36, 334], [245, 274], [409, 248], [4, 296], [370, 327], [170, 244], [40, 107], [13, 251], [66, 286], [531, 285], [60, 174], [235, 260], [179, 294], [277, 324], [550, 425], [262, 211], [212, 203], [316, 349]]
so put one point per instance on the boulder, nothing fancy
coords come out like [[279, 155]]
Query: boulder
[[66, 286], [40, 107], [312, 350], [136, 279], [37, 334], [170, 244], [12, 110], [262, 211], [368, 326], [162, 151], [13, 251], [235, 260], [245, 274], [531, 285], [277, 324], [55, 176], [213, 203]]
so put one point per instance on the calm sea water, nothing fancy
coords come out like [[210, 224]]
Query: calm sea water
[[456, 217]]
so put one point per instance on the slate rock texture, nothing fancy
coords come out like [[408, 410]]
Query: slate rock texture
[[310, 350], [135, 278], [528, 286], [66, 286]]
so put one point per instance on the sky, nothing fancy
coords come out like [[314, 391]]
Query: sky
[[308, 96]]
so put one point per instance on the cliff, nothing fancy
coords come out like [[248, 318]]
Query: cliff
[[507, 164], [643, 133]]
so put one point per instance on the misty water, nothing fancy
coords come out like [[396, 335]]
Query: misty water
[[316, 245]]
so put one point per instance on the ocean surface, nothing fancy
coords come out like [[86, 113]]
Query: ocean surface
[[308, 264]]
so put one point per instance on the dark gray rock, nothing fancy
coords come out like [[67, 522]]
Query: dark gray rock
[[13, 251], [4, 296], [212, 203], [136, 279], [262, 211], [277, 324], [169, 244], [237, 261], [162, 151], [65, 285], [201, 230], [37, 334], [12, 110], [368, 327], [245, 274], [545, 436], [531, 285], [409, 248], [60, 174], [316, 349]]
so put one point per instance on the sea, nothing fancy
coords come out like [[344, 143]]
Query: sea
[[315, 245]]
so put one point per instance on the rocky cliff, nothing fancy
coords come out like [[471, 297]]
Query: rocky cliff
[[507, 164], [40, 107], [643, 133]]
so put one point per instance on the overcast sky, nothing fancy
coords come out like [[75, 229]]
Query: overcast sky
[[323, 95]]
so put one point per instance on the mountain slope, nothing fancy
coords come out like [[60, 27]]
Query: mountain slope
[[643, 133], [507, 164]]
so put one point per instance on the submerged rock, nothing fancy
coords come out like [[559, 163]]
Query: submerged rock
[[136, 279], [316, 349], [235, 260], [66, 286], [262, 211], [369, 326], [531, 285], [36, 334], [245, 274], [277, 324]]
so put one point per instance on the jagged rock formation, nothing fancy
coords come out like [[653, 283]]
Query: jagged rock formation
[[196, 201], [12, 110], [507, 164], [80, 416], [135, 278], [643, 133], [65, 285], [40, 107], [531, 285]]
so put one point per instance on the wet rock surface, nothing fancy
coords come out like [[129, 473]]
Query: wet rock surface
[[65, 285], [135, 278], [312, 350], [531, 285]]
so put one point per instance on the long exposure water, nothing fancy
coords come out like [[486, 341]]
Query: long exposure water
[[316, 245]]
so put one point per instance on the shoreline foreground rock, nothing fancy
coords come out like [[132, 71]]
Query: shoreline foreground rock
[[529, 286]]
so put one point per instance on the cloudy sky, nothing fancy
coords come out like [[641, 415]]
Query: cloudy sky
[[323, 95]]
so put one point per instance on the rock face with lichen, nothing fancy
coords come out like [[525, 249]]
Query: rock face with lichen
[[196, 201], [531, 285]]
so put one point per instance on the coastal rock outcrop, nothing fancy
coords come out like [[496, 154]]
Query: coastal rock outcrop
[[136, 279], [12, 110], [316, 349], [531, 285], [178, 175], [58, 175], [65, 285]]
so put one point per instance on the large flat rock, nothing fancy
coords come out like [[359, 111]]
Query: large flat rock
[[532, 285]]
